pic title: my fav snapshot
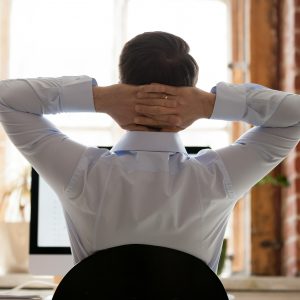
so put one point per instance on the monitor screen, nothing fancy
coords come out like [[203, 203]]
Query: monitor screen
[[50, 252]]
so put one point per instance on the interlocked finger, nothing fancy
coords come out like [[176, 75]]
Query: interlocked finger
[[158, 121], [159, 88], [155, 110], [150, 95], [165, 102]]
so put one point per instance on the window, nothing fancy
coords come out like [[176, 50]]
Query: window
[[55, 38], [71, 37]]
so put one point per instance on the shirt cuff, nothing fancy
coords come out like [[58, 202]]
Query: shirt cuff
[[77, 94], [230, 102]]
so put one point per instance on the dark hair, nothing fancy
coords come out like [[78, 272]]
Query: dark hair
[[158, 57]]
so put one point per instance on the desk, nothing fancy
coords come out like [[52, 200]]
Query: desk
[[35, 285], [243, 288], [42, 293], [246, 295]]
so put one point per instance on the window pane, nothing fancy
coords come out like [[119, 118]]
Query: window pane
[[202, 24], [72, 37], [55, 38], [208, 38]]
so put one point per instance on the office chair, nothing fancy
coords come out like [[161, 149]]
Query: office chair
[[140, 272]]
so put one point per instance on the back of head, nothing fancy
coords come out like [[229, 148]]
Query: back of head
[[158, 57]]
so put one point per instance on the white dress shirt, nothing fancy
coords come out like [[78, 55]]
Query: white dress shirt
[[147, 189]]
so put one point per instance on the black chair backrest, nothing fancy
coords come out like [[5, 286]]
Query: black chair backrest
[[140, 272]]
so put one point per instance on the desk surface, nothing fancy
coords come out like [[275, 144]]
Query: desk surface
[[246, 295], [242, 288], [44, 294]]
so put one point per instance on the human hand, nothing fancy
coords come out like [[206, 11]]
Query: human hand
[[119, 102], [191, 104]]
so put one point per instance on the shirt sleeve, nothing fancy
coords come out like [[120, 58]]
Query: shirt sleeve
[[22, 105], [276, 119]]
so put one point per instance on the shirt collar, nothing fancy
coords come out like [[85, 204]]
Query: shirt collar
[[150, 141]]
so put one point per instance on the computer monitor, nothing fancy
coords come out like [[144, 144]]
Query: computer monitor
[[49, 252]]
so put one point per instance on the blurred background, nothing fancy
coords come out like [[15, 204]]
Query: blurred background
[[232, 40]]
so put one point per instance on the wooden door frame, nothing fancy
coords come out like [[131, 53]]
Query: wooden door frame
[[255, 52], [240, 73]]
